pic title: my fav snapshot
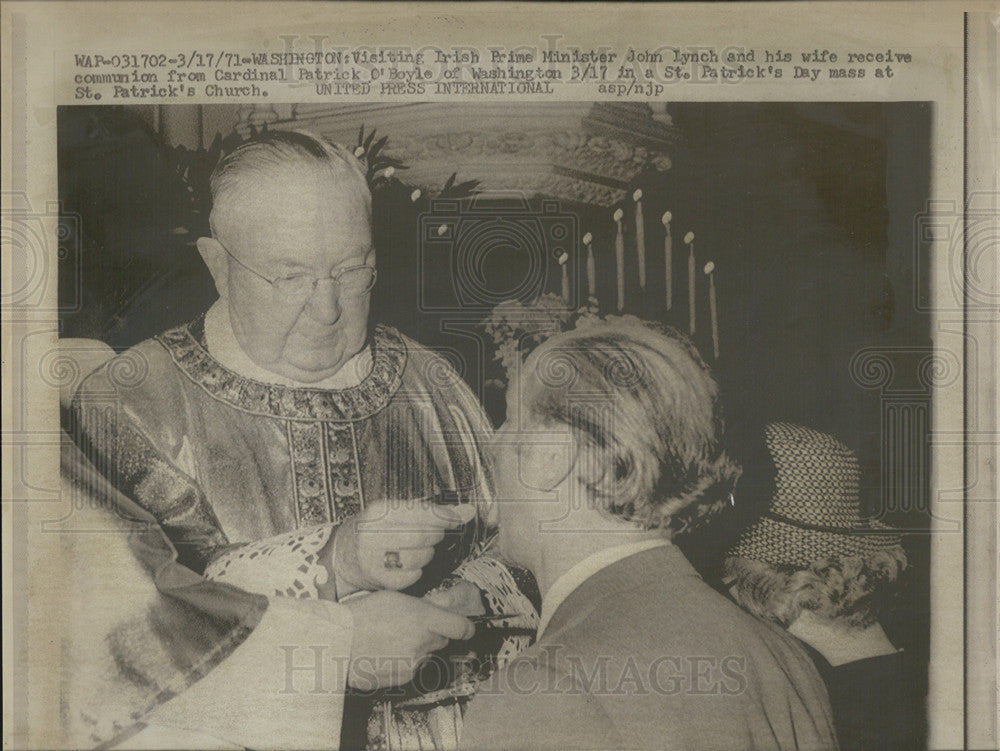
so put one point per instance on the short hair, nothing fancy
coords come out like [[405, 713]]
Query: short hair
[[851, 590], [277, 152], [658, 436]]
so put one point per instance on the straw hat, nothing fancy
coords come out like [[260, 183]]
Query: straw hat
[[815, 511]]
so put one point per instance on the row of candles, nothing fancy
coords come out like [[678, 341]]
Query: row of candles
[[640, 241], [668, 251]]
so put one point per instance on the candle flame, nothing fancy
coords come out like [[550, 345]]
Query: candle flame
[[618, 215], [359, 152], [442, 229], [689, 238], [415, 195], [709, 267], [637, 196], [588, 238], [389, 172], [667, 216]]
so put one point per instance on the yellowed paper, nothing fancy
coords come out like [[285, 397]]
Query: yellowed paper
[[578, 105]]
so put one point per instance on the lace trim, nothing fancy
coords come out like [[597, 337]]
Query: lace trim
[[186, 346], [287, 565], [502, 593]]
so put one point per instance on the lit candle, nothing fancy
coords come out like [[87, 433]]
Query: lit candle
[[712, 309], [588, 241], [563, 259], [668, 259], [620, 259], [415, 196], [689, 241], [640, 237]]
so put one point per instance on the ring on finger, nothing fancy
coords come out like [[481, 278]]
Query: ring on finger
[[392, 559]]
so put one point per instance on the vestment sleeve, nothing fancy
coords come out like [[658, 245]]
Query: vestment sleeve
[[106, 427], [455, 426], [282, 688], [286, 565], [141, 628]]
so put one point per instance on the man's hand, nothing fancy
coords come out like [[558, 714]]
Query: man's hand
[[388, 544], [393, 634]]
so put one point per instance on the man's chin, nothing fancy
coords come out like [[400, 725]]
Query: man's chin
[[312, 369], [316, 359], [513, 553]]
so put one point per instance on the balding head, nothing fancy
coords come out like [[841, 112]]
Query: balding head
[[289, 163], [291, 206]]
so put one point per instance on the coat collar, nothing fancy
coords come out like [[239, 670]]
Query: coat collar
[[590, 566]]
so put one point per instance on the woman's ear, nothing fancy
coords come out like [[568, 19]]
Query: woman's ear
[[544, 465], [214, 256], [594, 467]]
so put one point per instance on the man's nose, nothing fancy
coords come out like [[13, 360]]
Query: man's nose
[[324, 304]]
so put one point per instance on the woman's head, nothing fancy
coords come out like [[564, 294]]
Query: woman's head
[[637, 411], [812, 549], [849, 590]]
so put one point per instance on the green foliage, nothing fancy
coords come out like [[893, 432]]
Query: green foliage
[[370, 152], [194, 169], [517, 328], [460, 190]]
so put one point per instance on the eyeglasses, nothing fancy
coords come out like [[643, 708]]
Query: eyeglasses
[[353, 280]]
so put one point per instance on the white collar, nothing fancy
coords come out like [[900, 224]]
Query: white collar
[[224, 347], [566, 584]]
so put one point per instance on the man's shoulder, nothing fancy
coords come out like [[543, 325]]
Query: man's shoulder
[[132, 369], [626, 604], [430, 367], [415, 351], [147, 371], [678, 650], [140, 385], [533, 703]]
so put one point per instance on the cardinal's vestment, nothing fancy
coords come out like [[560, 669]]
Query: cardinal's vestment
[[236, 480]]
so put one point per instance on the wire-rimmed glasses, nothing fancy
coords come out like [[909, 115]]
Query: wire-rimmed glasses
[[351, 280]]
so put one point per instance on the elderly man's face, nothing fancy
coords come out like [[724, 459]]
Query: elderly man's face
[[530, 460], [297, 223]]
